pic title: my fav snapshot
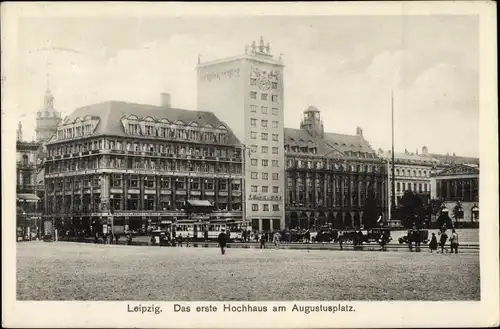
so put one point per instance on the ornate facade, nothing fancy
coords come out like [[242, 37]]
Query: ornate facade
[[329, 177], [137, 165]]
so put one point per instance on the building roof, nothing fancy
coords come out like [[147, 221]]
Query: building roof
[[332, 143], [453, 159], [414, 158], [457, 170], [110, 114]]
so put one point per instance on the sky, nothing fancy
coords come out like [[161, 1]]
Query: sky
[[346, 66]]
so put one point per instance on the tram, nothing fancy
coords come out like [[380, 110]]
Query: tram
[[202, 231]]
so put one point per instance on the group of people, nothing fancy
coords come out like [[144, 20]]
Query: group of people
[[276, 237], [112, 238], [443, 238]]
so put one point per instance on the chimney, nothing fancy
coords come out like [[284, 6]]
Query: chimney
[[165, 100], [359, 132], [424, 150], [416, 151]]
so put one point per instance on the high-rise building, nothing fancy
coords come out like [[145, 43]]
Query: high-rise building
[[246, 92], [47, 119]]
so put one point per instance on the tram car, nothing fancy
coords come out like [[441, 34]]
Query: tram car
[[208, 231]]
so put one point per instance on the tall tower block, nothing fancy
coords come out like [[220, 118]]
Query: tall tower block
[[246, 92]]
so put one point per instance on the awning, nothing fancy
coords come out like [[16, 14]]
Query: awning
[[199, 203], [27, 198]]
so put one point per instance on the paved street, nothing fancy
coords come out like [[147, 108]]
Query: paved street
[[73, 271]]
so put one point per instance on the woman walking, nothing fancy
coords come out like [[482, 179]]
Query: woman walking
[[433, 245]]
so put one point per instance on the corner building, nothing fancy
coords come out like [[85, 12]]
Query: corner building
[[135, 165], [246, 92]]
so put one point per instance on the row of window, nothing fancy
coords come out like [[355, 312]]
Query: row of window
[[408, 186], [413, 173], [263, 149], [264, 162], [263, 109], [148, 182], [179, 133], [274, 85], [264, 189], [291, 163], [75, 131], [263, 136], [265, 207], [263, 96], [264, 175], [149, 164], [133, 202], [264, 123]]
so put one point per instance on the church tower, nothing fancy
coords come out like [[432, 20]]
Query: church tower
[[47, 119], [19, 132]]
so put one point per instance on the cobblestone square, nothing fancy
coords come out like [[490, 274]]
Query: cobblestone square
[[72, 271]]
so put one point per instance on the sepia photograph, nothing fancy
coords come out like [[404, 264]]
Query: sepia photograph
[[236, 160]]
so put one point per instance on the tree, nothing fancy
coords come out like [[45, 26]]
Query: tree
[[411, 209], [370, 211]]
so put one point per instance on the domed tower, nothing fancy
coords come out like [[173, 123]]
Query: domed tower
[[47, 119], [312, 122]]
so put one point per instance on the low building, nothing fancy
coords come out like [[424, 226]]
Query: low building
[[412, 172], [134, 166], [329, 176], [457, 187]]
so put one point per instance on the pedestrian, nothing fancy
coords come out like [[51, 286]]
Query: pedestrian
[[262, 241], [117, 237], [433, 244], [416, 238], [187, 240], [180, 239], [222, 239], [454, 241], [410, 239], [276, 239], [442, 241]]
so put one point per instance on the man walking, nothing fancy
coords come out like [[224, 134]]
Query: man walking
[[262, 241], [454, 241], [222, 242], [442, 241]]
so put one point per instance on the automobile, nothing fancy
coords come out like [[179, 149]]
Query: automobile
[[376, 234], [292, 235], [160, 238], [326, 234], [422, 236]]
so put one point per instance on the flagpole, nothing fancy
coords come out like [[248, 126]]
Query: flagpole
[[393, 182]]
